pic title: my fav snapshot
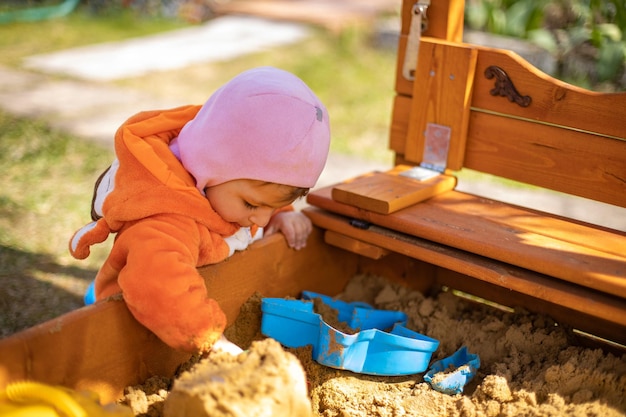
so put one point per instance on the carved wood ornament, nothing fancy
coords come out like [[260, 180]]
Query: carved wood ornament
[[504, 86]]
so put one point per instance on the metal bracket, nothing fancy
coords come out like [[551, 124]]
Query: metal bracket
[[436, 147], [419, 23]]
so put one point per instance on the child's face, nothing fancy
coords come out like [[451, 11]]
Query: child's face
[[248, 202]]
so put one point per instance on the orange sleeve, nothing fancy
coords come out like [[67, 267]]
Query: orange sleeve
[[161, 285]]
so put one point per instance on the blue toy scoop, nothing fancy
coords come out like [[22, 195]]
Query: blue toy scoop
[[451, 374], [381, 344]]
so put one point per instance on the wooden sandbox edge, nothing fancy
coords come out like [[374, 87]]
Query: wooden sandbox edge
[[102, 348]]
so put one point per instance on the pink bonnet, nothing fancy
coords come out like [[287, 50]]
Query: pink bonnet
[[265, 124]]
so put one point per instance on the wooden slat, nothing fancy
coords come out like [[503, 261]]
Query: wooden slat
[[442, 92], [600, 172], [445, 19], [399, 127], [563, 160], [273, 269], [100, 348], [553, 101], [607, 312], [573, 252], [355, 246], [599, 238], [389, 191]]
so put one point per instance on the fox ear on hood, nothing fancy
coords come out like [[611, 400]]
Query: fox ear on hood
[[104, 185], [89, 234]]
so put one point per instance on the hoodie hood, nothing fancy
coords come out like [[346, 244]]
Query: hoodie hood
[[150, 179]]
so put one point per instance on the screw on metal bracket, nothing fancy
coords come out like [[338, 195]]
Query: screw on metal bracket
[[421, 7]]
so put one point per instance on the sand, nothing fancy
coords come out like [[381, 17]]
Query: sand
[[530, 366], [263, 381]]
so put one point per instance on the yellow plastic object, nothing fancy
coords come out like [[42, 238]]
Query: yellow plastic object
[[10, 410], [34, 399]]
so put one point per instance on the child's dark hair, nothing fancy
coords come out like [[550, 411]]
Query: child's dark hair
[[295, 193]]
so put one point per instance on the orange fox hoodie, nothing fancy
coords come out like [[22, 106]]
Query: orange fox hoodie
[[165, 229]]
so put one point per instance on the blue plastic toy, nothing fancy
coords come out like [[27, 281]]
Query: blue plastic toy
[[371, 350], [90, 295], [457, 370]]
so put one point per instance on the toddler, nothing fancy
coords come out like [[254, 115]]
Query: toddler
[[192, 185]]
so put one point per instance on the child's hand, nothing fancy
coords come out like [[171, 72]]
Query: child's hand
[[225, 345], [294, 225]]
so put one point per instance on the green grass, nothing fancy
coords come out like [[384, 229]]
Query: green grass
[[47, 180], [47, 175]]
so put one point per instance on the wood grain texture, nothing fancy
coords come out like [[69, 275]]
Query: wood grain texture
[[553, 101], [388, 192], [100, 348], [445, 19], [568, 161], [442, 93], [551, 245], [355, 246], [602, 314]]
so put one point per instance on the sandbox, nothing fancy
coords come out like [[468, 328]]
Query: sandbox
[[529, 365]]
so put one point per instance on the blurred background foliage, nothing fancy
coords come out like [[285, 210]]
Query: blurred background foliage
[[586, 37]]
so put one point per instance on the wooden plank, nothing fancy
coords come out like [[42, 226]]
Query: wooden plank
[[557, 227], [445, 19], [275, 270], [390, 191], [573, 162], [399, 127], [578, 253], [442, 92], [552, 101], [603, 308], [102, 348], [354, 246]]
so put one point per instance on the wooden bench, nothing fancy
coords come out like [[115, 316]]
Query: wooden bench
[[505, 118]]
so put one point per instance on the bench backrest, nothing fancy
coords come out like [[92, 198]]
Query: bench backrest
[[503, 116]]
